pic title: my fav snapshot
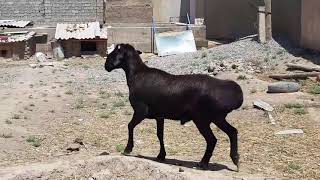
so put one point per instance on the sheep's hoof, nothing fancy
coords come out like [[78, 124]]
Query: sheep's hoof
[[238, 167], [127, 151], [161, 157], [235, 160], [202, 166]]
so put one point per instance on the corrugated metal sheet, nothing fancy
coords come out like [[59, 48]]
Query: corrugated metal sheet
[[13, 23], [79, 31], [16, 36]]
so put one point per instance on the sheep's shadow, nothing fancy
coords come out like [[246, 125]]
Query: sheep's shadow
[[186, 164]]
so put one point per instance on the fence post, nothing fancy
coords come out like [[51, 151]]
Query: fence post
[[261, 24]]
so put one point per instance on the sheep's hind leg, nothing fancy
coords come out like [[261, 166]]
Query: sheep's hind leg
[[136, 119], [233, 136], [160, 127], [206, 132]]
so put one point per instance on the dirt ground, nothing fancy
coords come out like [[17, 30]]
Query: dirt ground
[[44, 110]]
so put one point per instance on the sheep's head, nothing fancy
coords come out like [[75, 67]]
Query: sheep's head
[[119, 56]]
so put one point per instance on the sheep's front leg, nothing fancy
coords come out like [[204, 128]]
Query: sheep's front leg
[[136, 119], [160, 127], [232, 132], [206, 132]]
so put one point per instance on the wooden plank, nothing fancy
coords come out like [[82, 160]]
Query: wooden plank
[[303, 67], [295, 75]]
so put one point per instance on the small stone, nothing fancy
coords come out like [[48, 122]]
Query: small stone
[[211, 67], [234, 66], [74, 147], [46, 64], [104, 154], [33, 65], [41, 57], [79, 141], [181, 170]]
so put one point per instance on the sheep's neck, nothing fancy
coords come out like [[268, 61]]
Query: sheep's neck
[[133, 66]]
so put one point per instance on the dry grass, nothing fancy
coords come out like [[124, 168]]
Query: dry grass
[[261, 152], [16, 116], [34, 141], [6, 135], [315, 89], [69, 92]]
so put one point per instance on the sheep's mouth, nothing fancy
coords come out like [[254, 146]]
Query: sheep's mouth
[[108, 68]]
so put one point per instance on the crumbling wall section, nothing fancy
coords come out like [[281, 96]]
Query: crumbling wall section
[[129, 11]]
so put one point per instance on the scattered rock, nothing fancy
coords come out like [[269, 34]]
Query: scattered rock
[[318, 78], [41, 57], [290, 132], [41, 65], [79, 141], [211, 68], [181, 170], [74, 147], [104, 154], [263, 105], [46, 64], [33, 65], [234, 66], [283, 87]]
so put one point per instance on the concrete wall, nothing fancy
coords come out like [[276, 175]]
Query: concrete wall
[[52, 11], [164, 9], [171, 10], [310, 36], [141, 36], [286, 19], [231, 19]]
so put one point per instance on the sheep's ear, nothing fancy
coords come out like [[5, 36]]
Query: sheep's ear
[[139, 52]]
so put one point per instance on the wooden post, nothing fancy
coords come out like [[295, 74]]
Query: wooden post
[[104, 11], [262, 24], [268, 10]]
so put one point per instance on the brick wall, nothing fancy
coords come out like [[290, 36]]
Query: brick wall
[[50, 12]]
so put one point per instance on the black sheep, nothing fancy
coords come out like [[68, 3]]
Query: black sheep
[[155, 94]]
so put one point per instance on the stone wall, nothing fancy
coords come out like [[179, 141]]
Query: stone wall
[[50, 12]]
